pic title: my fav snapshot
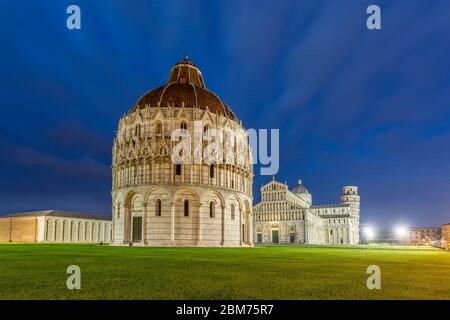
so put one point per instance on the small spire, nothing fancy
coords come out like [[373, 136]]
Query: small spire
[[273, 178], [299, 181], [186, 56]]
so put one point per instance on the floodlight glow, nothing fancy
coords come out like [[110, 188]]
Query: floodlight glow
[[401, 231], [369, 232]]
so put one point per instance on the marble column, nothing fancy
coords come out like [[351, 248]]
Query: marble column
[[223, 224], [172, 223]]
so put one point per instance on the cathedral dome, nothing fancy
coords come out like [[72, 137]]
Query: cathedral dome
[[300, 188], [185, 87]]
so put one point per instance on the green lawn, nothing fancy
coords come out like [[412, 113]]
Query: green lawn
[[35, 271]]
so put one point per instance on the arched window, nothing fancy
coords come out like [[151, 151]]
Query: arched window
[[233, 211], [158, 208], [183, 125], [186, 208], [212, 209], [137, 130], [211, 171], [178, 169], [158, 127], [205, 128]]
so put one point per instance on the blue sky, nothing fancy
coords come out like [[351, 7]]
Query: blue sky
[[358, 107]]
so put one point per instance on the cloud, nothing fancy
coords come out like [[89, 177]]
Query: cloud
[[84, 140], [83, 168]]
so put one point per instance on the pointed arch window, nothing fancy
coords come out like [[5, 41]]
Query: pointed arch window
[[137, 130], [158, 127]]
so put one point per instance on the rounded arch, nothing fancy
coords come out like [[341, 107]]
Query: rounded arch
[[233, 198], [129, 198], [210, 195], [186, 193], [136, 200], [157, 193]]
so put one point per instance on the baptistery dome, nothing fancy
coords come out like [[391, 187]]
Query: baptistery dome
[[158, 201], [185, 87]]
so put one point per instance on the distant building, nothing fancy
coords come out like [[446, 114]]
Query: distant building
[[285, 216], [55, 226], [424, 235], [445, 233]]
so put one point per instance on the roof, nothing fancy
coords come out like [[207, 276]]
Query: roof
[[56, 213], [420, 228], [300, 188], [330, 206], [185, 87]]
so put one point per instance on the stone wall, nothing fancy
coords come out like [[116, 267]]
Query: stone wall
[[54, 229], [20, 229]]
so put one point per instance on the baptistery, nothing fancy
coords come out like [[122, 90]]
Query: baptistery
[[182, 169]]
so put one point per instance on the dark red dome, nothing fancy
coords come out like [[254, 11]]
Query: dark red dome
[[185, 86]]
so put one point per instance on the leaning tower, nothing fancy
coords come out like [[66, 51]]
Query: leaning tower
[[161, 202], [351, 198]]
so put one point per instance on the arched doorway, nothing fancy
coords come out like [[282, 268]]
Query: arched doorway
[[275, 233], [133, 220], [136, 213]]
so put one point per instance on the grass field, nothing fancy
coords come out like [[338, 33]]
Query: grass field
[[34, 271]]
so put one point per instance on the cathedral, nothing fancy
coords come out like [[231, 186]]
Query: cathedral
[[289, 216], [159, 202]]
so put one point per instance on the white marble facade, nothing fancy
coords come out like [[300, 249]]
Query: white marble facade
[[285, 216], [157, 202]]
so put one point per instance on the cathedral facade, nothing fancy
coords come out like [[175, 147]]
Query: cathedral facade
[[157, 201], [289, 216]]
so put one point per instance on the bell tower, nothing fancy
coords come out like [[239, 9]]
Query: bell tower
[[351, 198]]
